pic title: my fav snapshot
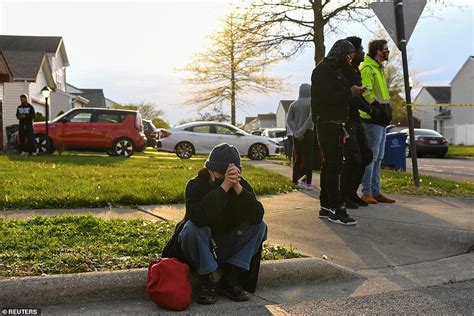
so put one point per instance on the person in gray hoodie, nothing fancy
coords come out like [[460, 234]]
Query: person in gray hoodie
[[300, 122]]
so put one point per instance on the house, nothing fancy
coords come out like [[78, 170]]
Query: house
[[282, 112], [446, 109], [29, 63], [266, 120], [250, 123]]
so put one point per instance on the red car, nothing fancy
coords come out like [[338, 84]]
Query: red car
[[117, 132]]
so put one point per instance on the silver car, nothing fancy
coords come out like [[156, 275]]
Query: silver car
[[200, 137]]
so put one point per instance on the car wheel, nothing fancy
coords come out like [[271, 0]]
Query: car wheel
[[184, 150], [407, 151], [43, 145], [123, 147], [258, 152]]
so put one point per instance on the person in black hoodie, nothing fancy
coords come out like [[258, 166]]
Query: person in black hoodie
[[223, 229], [331, 94], [357, 152], [25, 113]]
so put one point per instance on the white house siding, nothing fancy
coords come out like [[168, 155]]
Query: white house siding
[[280, 117], [426, 114], [11, 100], [462, 86], [35, 88], [1, 91], [59, 102], [59, 70]]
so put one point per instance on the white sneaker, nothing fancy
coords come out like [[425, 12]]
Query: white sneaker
[[301, 184], [23, 153], [35, 153]]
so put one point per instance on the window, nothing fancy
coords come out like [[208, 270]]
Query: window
[[110, 117], [81, 117], [224, 130], [201, 129]]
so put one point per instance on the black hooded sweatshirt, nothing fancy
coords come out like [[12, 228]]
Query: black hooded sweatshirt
[[330, 90], [25, 113]]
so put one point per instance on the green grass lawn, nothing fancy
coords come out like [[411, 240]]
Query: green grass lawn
[[460, 151], [394, 182], [72, 244], [96, 180]]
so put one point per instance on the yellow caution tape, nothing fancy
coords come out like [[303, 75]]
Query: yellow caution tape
[[443, 104]]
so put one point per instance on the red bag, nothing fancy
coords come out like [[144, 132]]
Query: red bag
[[168, 284]]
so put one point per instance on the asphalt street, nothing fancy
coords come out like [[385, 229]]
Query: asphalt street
[[448, 168]]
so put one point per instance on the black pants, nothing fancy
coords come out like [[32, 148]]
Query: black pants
[[303, 156], [357, 155], [25, 133], [330, 137], [289, 148]]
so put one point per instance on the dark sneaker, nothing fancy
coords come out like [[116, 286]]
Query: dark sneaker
[[351, 204], [340, 216], [324, 212], [359, 201], [230, 286], [207, 291]]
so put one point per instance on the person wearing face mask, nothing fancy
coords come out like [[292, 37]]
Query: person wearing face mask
[[357, 152], [223, 229], [331, 94], [378, 96]]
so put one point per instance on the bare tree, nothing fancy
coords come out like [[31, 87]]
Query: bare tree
[[296, 24], [232, 66]]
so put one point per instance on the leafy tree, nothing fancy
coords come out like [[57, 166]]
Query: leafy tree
[[148, 110], [232, 66], [160, 123]]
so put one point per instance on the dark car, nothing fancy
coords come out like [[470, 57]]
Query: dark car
[[151, 133], [428, 142], [117, 132]]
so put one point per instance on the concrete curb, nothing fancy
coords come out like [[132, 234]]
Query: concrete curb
[[55, 289]]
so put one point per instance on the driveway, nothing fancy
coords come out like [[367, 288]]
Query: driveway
[[448, 168]]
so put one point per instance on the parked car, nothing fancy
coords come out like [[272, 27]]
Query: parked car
[[428, 142], [200, 137], [276, 133], [151, 133], [117, 132]]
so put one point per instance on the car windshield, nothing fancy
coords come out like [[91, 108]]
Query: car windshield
[[423, 132], [426, 133], [56, 119]]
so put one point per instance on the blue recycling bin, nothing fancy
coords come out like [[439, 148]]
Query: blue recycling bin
[[394, 157]]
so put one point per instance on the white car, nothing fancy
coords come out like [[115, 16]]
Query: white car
[[276, 133], [200, 137]]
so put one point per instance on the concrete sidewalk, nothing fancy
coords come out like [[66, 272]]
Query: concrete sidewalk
[[420, 240]]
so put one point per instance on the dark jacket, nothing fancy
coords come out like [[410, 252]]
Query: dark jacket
[[221, 211], [356, 103], [25, 113]]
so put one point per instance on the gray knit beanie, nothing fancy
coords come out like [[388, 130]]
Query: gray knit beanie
[[221, 156]]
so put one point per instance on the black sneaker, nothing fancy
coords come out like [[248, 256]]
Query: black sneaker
[[324, 212], [230, 286], [207, 291], [359, 201], [340, 216], [350, 204]]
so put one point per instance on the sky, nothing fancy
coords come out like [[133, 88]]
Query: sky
[[133, 50]]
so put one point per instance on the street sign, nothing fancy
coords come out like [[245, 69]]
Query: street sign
[[412, 12]]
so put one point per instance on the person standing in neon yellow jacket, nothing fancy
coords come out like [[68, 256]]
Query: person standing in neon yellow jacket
[[376, 94]]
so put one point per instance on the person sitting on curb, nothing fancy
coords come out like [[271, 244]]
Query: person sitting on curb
[[223, 229]]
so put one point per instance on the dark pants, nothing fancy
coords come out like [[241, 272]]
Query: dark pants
[[358, 155], [303, 155], [330, 138], [289, 148], [25, 133]]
